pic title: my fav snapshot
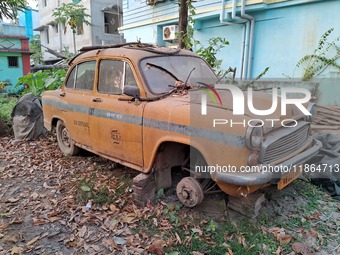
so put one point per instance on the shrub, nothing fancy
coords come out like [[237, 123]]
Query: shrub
[[6, 107], [37, 83]]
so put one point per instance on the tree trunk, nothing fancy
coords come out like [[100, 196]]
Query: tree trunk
[[183, 22], [74, 42]]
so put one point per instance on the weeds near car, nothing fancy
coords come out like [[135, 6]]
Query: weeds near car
[[7, 104], [37, 83], [101, 186], [318, 61], [193, 232]]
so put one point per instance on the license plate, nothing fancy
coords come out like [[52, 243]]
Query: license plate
[[288, 178]]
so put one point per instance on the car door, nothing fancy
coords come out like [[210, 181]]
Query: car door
[[116, 123], [77, 98]]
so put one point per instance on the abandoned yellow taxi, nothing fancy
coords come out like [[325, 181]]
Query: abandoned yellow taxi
[[157, 110]]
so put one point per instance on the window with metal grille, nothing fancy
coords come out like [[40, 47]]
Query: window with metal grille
[[13, 62]]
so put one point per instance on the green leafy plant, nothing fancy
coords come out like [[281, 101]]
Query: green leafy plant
[[89, 192], [251, 83], [35, 47], [4, 83], [188, 37], [215, 44], [10, 89], [73, 16], [66, 52], [37, 83], [7, 104], [209, 53], [319, 61], [9, 8]]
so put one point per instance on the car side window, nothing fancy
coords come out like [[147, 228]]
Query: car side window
[[71, 78], [129, 77], [113, 75], [85, 75]]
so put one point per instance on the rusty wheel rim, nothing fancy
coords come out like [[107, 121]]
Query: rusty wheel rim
[[65, 137], [189, 192]]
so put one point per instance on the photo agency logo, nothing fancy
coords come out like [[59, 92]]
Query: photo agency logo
[[239, 102]]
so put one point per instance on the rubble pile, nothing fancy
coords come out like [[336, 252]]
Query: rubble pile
[[327, 117]]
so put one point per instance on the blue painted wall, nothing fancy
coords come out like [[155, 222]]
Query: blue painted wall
[[285, 31], [29, 18], [10, 73], [11, 45]]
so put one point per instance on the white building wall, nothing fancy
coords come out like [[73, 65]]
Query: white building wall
[[53, 36], [94, 34]]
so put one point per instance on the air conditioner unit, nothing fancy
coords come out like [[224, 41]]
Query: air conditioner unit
[[170, 33]]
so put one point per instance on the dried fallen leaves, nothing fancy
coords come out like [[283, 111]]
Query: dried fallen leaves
[[303, 249], [42, 209], [280, 234]]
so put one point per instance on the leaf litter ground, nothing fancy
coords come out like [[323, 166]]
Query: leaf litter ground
[[54, 204]]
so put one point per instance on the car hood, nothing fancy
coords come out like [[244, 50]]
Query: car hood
[[224, 102]]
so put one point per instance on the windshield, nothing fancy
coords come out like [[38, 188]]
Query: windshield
[[162, 72]]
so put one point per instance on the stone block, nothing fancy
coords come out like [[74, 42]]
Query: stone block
[[142, 179], [248, 206]]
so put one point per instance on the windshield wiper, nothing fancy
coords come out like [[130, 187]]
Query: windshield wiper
[[164, 70]]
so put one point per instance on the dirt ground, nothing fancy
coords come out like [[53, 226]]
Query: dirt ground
[[45, 208]]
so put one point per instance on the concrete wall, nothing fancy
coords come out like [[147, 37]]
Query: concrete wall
[[13, 42], [58, 40], [93, 34], [12, 30], [99, 36], [29, 18], [10, 73]]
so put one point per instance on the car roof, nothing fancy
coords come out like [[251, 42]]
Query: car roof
[[133, 51]]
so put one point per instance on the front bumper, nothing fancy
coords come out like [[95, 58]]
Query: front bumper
[[264, 177]]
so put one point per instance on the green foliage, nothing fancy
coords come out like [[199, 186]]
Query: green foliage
[[35, 47], [89, 192], [215, 43], [38, 82], [318, 61], [72, 15], [14, 90], [188, 38], [66, 52], [209, 53], [11, 89], [6, 107], [9, 8], [171, 213], [251, 83]]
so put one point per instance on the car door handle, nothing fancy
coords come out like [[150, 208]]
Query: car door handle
[[97, 100], [62, 94]]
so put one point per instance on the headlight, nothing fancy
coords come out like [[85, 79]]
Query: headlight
[[254, 136], [312, 109]]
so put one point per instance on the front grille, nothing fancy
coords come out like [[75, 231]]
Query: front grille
[[283, 142]]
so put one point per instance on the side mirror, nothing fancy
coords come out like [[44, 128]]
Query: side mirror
[[131, 91]]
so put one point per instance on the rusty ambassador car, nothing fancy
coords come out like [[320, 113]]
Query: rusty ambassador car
[[140, 106]]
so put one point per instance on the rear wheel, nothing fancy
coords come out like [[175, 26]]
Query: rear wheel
[[65, 142]]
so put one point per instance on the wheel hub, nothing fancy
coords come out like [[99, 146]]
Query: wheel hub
[[65, 137], [189, 192]]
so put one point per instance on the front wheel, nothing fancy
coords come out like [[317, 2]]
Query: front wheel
[[65, 142], [189, 192]]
